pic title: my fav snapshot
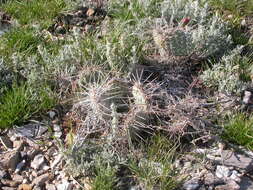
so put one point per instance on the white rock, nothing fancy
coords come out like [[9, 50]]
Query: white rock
[[65, 185], [56, 160], [50, 187], [13, 138], [45, 167], [200, 151], [243, 22], [235, 176], [2, 174], [57, 131], [222, 172], [20, 166], [25, 181], [37, 161], [192, 184], [40, 180], [57, 128], [51, 114]]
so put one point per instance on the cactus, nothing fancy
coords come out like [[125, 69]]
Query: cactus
[[145, 92], [137, 124], [100, 103], [188, 28]]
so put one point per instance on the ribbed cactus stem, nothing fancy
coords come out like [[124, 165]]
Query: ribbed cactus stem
[[139, 96]]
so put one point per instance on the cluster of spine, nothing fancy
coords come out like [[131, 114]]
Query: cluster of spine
[[113, 105]]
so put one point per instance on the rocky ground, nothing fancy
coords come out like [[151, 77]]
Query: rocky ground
[[31, 158]]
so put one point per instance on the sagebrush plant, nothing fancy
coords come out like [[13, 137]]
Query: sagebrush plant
[[238, 129], [20, 103], [88, 157], [231, 74]]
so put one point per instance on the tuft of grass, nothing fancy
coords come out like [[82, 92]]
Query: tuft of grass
[[25, 40], [105, 177], [235, 8], [239, 130], [134, 10], [20, 40], [21, 102], [29, 12], [156, 170]]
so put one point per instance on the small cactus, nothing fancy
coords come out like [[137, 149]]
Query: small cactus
[[97, 98], [137, 124], [159, 40], [144, 93]]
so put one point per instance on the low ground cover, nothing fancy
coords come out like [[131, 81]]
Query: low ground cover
[[137, 79]]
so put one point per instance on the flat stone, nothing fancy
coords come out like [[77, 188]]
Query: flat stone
[[211, 179], [192, 184], [7, 143], [230, 185], [41, 180], [37, 161], [222, 172], [237, 160], [9, 160], [31, 130]]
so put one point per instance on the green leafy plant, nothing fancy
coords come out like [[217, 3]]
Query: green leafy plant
[[22, 40], [29, 12], [105, 177], [236, 8], [238, 129], [21, 102], [133, 11]]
